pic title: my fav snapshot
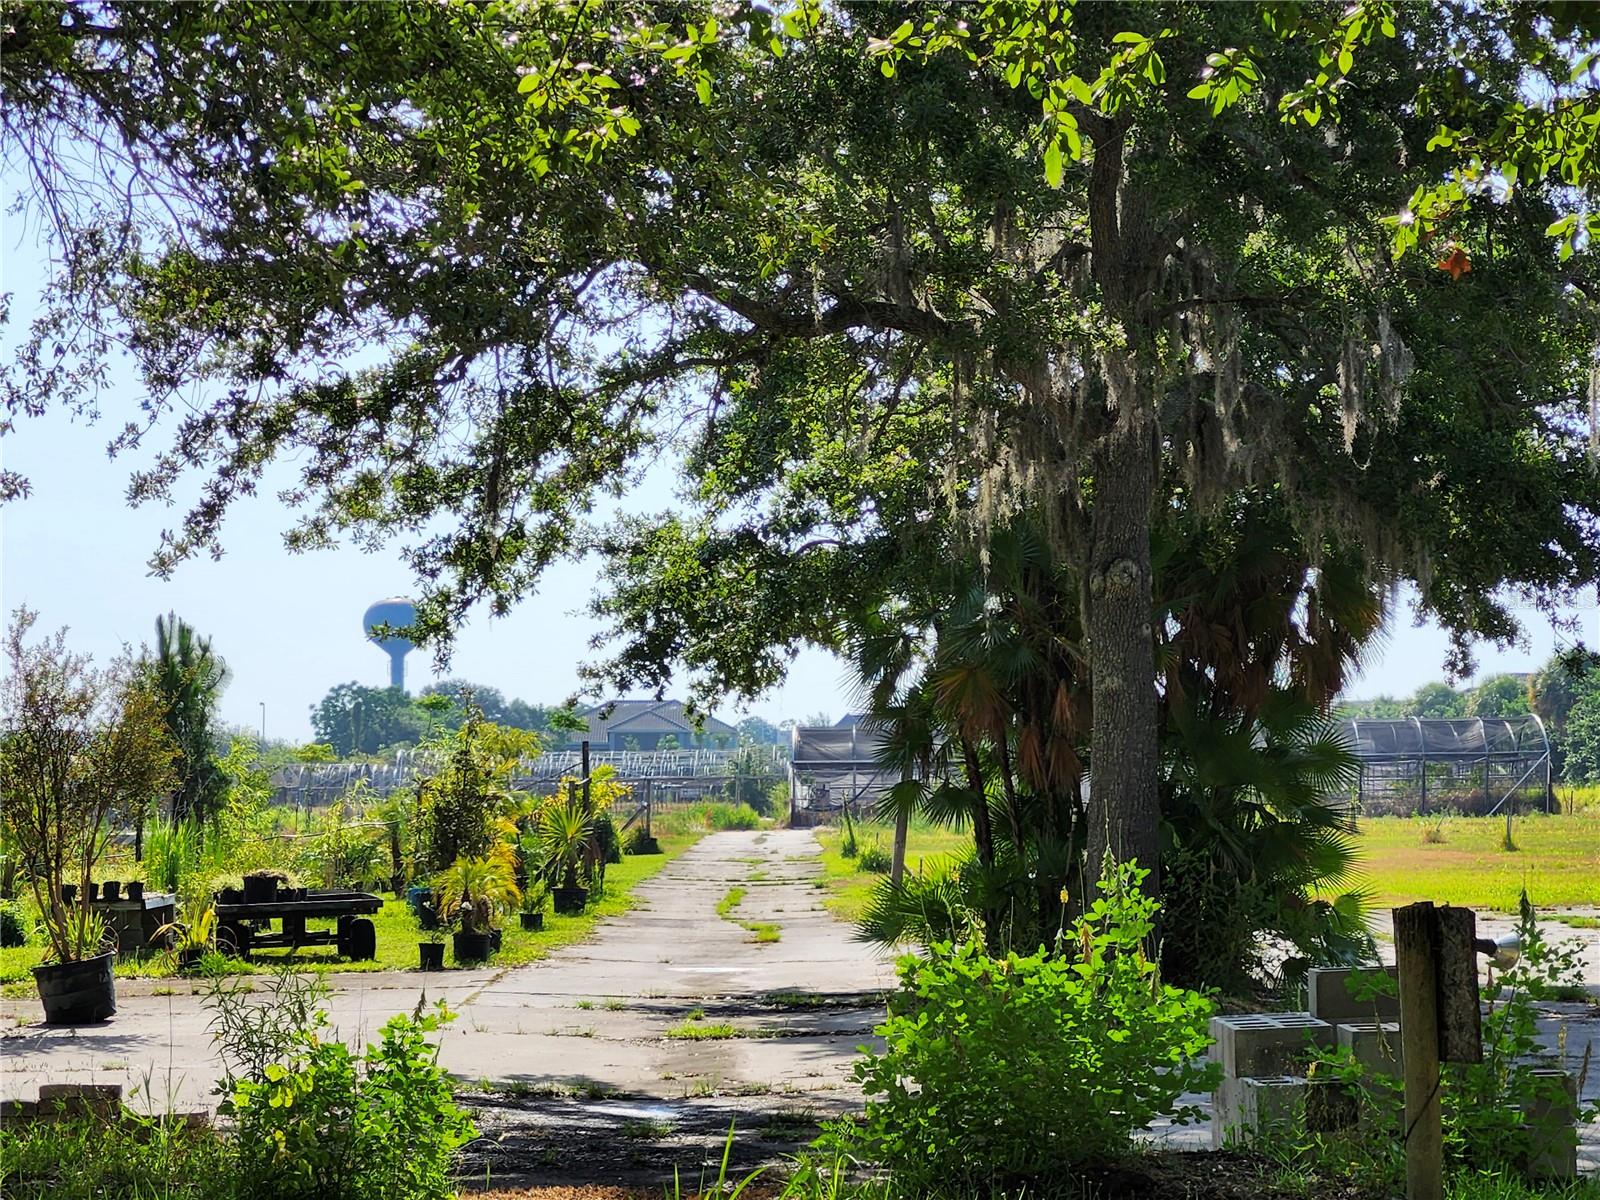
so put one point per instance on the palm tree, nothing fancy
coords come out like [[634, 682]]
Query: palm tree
[[189, 677], [1259, 842]]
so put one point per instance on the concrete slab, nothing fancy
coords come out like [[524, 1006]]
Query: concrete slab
[[593, 1017]]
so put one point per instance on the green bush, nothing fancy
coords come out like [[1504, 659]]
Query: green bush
[[16, 927], [874, 858], [1001, 1071], [329, 1123], [722, 816]]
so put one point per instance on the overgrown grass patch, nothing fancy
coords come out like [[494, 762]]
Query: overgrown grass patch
[[93, 1158], [1557, 860], [848, 886]]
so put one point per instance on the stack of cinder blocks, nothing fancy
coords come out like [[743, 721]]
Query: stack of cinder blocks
[[1263, 1055]]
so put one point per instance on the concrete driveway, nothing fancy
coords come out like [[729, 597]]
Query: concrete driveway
[[592, 1019]]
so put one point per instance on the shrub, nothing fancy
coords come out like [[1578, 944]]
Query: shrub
[[313, 1118], [171, 849], [874, 858], [1001, 1071], [723, 816], [16, 927]]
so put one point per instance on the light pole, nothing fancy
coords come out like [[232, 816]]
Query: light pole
[[263, 724]]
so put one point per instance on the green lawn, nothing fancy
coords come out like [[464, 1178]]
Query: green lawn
[[847, 886], [1557, 858], [398, 934]]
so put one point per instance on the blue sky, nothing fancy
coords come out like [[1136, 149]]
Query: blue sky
[[290, 625]]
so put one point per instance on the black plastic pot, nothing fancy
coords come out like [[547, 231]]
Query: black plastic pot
[[230, 896], [135, 890], [111, 889], [77, 993], [432, 955], [471, 947], [532, 922], [69, 893], [570, 901], [645, 845], [263, 890], [496, 937], [189, 956]]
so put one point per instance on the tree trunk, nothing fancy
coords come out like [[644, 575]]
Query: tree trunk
[[1124, 748], [902, 819]]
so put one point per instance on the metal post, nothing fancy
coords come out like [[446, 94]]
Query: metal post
[[584, 751]]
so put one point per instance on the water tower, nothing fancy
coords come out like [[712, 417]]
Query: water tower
[[397, 612]]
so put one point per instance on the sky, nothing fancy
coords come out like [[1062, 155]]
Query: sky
[[289, 625]]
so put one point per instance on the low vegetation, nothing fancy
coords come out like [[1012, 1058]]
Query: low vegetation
[[1463, 860]]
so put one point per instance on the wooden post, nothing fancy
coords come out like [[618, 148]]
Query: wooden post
[[1416, 955], [585, 768]]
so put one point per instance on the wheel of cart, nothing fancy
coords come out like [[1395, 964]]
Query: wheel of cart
[[234, 939], [357, 938]]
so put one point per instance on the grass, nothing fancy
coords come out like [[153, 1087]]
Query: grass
[[760, 931], [87, 1159], [1462, 860], [699, 1031], [1454, 860], [848, 887], [397, 934]]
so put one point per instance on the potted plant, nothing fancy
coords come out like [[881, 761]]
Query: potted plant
[[261, 885], [430, 949], [472, 894], [534, 898], [191, 940], [82, 751], [565, 834]]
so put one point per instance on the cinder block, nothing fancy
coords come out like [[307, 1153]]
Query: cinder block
[[1373, 1044], [1262, 1044], [1330, 997], [76, 1099], [17, 1110], [1551, 1119], [1251, 1107]]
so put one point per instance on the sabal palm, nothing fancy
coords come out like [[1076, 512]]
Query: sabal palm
[[1258, 836]]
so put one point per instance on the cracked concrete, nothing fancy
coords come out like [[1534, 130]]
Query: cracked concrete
[[592, 1018]]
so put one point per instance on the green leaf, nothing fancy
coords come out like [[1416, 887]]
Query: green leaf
[[1053, 169], [1200, 91], [526, 84], [702, 87], [1347, 60], [887, 67], [1128, 37]]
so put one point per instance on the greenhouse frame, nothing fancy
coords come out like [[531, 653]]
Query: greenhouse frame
[[1469, 765]]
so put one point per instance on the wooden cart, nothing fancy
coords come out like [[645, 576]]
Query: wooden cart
[[242, 928]]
